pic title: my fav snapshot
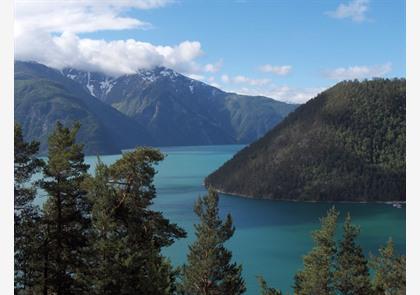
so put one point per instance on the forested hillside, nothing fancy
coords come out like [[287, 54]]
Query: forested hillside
[[346, 144]]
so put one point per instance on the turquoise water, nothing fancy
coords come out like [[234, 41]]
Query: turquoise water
[[271, 236]]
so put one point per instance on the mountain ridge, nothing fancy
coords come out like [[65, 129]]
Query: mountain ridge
[[150, 97], [168, 107]]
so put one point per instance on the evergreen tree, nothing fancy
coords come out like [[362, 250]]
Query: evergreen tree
[[209, 270], [389, 270], [317, 274], [265, 289], [26, 214], [66, 213], [127, 235], [351, 276]]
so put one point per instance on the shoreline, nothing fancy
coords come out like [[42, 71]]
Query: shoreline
[[307, 201]]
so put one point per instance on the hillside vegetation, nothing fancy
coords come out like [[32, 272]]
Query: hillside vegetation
[[346, 144]]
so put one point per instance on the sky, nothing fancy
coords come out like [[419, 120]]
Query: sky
[[289, 50]]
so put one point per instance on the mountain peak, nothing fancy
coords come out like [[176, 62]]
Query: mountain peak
[[157, 72], [171, 110]]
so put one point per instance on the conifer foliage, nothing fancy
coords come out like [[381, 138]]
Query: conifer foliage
[[351, 275], [265, 289], [66, 213], [209, 270], [316, 276], [345, 271], [98, 234], [26, 215], [389, 269], [127, 234]]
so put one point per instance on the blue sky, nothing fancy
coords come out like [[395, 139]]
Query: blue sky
[[305, 45]]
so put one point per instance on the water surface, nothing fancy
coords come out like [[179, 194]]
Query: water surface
[[271, 236]]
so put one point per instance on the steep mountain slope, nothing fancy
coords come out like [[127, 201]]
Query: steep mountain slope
[[346, 144], [178, 110], [43, 96]]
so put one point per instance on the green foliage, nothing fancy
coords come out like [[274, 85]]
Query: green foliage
[[209, 270], [351, 275], [65, 214], [389, 270], [348, 143], [127, 236], [317, 274], [327, 271], [265, 289], [26, 164], [98, 235], [26, 215]]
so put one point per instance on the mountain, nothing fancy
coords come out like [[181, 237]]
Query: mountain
[[44, 96], [153, 107], [346, 144], [178, 110]]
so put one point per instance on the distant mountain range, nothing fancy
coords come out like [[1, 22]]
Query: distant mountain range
[[346, 144], [157, 107]]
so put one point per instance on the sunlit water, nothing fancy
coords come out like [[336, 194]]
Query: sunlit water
[[271, 236]]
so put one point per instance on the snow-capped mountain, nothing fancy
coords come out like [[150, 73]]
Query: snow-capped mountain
[[100, 85], [96, 84], [175, 109], [183, 111]]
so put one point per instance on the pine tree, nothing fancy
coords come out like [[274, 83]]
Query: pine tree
[[127, 235], [66, 213], [209, 270], [317, 274], [26, 223], [265, 289], [351, 276], [389, 270]]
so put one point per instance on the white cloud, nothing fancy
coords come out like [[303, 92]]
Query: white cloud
[[47, 31], [281, 93], [225, 78], [112, 57], [359, 72], [250, 81], [265, 87], [79, 16], [355, 10], [213, 68], [279, 70]]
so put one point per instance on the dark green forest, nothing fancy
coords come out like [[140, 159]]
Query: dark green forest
[[96, 234], [346, 144]]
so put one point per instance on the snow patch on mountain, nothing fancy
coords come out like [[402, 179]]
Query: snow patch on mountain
[[106, 85]]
